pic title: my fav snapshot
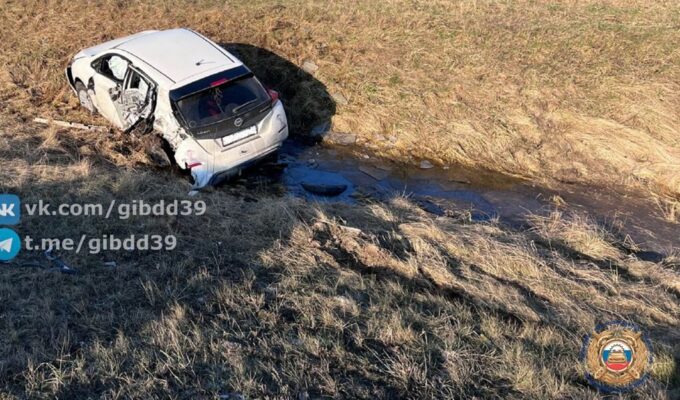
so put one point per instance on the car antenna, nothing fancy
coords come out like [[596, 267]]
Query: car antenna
[[202, 61]]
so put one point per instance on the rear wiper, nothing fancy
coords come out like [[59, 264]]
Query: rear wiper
[[235, 110]]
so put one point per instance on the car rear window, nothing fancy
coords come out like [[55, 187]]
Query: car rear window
[[223, 101]]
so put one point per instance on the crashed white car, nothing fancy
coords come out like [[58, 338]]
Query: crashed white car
[[210, 108]]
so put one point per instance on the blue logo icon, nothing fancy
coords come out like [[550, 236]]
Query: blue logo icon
[[10, 244], [10, 209]]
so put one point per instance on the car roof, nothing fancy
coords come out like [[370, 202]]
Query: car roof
[[96, 50], [178, 54]]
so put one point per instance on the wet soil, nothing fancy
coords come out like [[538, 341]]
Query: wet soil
[[484, 194]]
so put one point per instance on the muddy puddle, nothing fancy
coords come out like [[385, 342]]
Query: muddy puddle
[[309, 171]]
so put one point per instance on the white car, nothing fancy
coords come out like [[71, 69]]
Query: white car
[[214, 113]]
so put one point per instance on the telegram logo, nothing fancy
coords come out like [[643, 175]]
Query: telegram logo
[[10, 209], [10, 244]]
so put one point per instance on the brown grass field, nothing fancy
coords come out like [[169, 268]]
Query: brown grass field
[[274, 297]]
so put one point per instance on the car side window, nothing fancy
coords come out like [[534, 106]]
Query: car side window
[[113, 67], [138, 83]]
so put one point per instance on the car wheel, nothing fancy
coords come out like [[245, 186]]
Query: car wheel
[[156, 148], [84, 98]]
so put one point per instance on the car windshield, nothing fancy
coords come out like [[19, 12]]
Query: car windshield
[[222, 102]]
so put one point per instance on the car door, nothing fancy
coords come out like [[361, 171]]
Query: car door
[[123, 94], [136, 100], [108, 80]]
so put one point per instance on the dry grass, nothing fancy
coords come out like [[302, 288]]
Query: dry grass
[[580, 91], [380, 300], [669, 209]]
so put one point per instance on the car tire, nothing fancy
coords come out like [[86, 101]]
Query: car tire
[[84, 98], [155, 148]]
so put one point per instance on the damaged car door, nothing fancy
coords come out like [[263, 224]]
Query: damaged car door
[[124, 95], [135, 102]]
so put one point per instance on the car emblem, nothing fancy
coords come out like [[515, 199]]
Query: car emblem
[[238, 122]]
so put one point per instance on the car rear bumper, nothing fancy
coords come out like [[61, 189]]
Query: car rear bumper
[[225, 175], [217, 163]]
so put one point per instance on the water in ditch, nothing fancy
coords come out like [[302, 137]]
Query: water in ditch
[[319, 172]]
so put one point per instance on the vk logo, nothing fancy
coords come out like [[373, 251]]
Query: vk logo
[[10, 209], [10, 244]]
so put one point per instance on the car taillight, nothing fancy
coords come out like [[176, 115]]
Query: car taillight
[[190, 161], [273, 94], [219, 82]]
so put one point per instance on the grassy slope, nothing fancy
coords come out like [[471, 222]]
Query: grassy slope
[[578, 92], [287, 301], [290, 300]]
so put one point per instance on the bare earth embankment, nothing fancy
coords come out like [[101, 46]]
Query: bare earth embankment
[[275, 297]]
